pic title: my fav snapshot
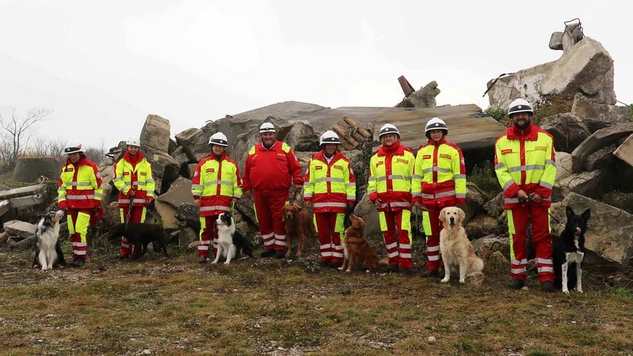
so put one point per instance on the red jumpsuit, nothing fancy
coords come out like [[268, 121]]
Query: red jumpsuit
[[269, 172]]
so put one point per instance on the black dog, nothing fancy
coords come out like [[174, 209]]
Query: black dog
[[140, 235], [569, 250]]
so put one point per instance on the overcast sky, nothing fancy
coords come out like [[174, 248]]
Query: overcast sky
[[104, 66]]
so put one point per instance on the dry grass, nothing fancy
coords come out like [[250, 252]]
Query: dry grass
[[264, 306]]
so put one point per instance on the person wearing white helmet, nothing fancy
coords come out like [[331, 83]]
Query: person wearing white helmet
[[390, 171], [216, 186], [79, 194], [271, 168], [330, 188], [133, 178], [439, 181], [526, 170]]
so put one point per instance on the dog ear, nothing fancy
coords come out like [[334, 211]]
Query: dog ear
[[442, 214], [570, 212], [461, 214], [586, 214]]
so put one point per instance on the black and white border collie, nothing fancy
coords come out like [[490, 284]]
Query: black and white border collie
[[48, 254], [569, 250], [230, 241]]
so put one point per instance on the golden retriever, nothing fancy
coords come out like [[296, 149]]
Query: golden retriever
[[456, 250], [356, 247], [298, 221]]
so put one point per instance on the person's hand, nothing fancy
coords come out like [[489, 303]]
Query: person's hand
[[297, 187], [536, 198], [234, 201], [378, 202], [522, 196], [248, 194], [197, 202], [309, 204], [417, 204]]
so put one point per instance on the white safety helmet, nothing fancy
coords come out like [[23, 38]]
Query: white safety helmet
[[267, 127], [435, 124], [133, 142], [74, 147], [519, 105], [329, 136], [218, 139], [388, 129]]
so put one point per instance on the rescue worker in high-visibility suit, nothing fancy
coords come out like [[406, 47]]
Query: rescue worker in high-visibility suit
[[79, 194], [330, 188], [270, 169], [216, 187], [390, 171], [526, 170], [134, 180], [439, 181]]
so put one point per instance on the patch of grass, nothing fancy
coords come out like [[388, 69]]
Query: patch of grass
[[485, 179], [551, 105], [621, 293], [496, 113]]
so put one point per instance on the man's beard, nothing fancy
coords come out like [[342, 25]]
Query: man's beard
[[524, 125]]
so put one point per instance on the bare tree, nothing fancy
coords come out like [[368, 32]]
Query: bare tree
[[17, 129]]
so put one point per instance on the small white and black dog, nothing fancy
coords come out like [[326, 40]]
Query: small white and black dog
[[569, 251], [230, 241], [48, 253]]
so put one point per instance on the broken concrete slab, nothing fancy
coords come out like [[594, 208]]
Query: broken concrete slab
[[625, 151], [179, 192], [20, 228], [597, 140], [23, 191]]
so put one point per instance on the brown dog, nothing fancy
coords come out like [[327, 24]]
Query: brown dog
[[356, 247], [298, 221]]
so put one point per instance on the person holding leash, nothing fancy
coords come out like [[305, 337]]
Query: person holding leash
[[271, 166], [79, 194], [390, 171], [439, 181], [330, 188], [526, 170], [134, 180], [216, 186]]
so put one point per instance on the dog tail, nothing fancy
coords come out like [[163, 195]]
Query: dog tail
[[475, 264]]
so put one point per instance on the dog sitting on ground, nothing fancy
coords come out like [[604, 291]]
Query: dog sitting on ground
[[569, 250], [298, 221], [48, 253], [356, 248], [457, 251], [230, 241], [140, 235]]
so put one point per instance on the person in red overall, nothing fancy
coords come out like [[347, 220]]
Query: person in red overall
[[216, 186], [134, 180], [390, 171], [79, 194], [439, 181], [330, 188], [270, 169]]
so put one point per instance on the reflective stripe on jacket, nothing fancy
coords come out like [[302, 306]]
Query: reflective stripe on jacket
[[439, 176], [138, 176], [524, 159], [79, 186], [390, 178], [216, 183], [271, 169], [329, 186]]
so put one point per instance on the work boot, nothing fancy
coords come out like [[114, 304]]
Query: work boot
[[267, 253], [280, 253], [516, 283], [393, 269], [202, 260], [78, 262], [548, 286], [410, 271], [430, 273]]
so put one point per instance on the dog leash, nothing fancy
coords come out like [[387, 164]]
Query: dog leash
[[529, 201]]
